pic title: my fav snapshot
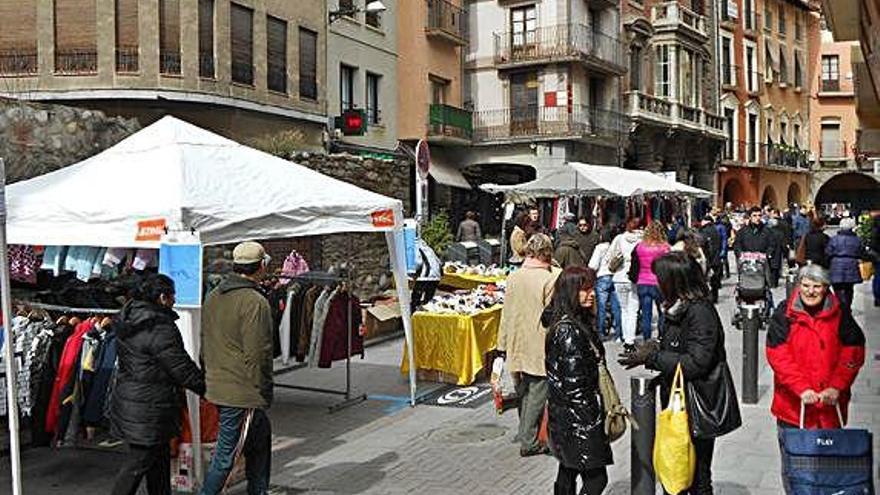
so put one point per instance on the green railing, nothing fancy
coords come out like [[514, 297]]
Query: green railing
[[446, 120]]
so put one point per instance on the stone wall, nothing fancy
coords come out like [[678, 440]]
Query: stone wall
[[36, 139]]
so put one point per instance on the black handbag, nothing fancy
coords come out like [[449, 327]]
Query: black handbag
[[713, 408]]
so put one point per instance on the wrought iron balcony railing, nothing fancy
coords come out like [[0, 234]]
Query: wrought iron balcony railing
[[782, 155], [169, 62], [18, 62], [206, 65], [557, 43], [76, 61], [829, 85], [449, 121], [447, 21], [126, 59], [547, 122]]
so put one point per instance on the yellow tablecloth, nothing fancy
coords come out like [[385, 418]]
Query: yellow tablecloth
[[453, 344], [467, 282]]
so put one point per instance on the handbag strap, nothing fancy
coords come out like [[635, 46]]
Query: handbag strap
[[836, 408], [677, 383]]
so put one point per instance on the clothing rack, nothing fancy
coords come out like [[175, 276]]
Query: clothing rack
[[67, 309], [349, 400]]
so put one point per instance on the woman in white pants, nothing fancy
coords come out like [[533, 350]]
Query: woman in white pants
[[623, 245]]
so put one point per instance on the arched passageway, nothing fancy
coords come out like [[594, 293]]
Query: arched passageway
[[769, 197], [860, 191], [794, 193], [733, 193]]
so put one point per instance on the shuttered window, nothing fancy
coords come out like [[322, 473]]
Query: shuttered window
[[276, 54], [206, 38], [308, 64], [242, 44], [76, 50], [126, 35], [18, 37], [169, 36]]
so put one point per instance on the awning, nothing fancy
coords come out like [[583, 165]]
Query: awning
[[446, 173]]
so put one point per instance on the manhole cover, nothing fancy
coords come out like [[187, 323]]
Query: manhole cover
[[470, 434]]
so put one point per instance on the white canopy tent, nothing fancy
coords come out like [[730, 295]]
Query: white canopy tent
[[187, 178], [595, 180]]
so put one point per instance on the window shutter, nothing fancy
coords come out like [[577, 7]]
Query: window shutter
[[242, 41], [19, 31], [75, 25], [126, 23], [206, 38], [308, 64], [276, 54]]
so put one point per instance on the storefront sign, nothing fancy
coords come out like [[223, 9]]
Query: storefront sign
[[183, 263], [383, 219], [150, 230]]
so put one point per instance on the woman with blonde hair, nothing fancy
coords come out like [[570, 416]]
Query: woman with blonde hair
[[653, 246]]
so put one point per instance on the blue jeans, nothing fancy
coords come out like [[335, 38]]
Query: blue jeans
[[875, 285], [604, 294], [650, 295], [257, 451]]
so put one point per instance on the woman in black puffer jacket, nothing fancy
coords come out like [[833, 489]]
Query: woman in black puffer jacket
[[572, 353], [153, 368]]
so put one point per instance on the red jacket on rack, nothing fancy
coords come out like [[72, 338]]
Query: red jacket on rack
[[334, 343], [813, 353], [66, 369]]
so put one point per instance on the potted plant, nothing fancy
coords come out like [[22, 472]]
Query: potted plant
[[864, 229]]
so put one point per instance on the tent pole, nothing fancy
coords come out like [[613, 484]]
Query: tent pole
[[394, 238], [11, 385]]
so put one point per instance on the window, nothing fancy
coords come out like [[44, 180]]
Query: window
[[798, 27], [749, 17], [752, 69], [126, 35], [346, 5], [769, 131], [831, 146], [242, 44], [308, 64], [439, 87], [523, 25], [18, 37], [728, 71], [768, 16], [76, 50], [635, 68], [769, 62], [781, 19], [346, 88], [688, 75], [752, 131], [830, 73], [206, 38], [729, 123], [374, 19], [783, 132], [373, 111], [798, 71], [783, 68], [661, 74], [169, 36], [276, 54], [796, 138]]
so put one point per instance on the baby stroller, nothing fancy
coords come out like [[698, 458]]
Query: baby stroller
[[753, 284]]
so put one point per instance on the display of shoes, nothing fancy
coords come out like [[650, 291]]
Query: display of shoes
[[468, 303]]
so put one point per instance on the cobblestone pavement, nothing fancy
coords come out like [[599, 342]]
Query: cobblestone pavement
[[382, 446]]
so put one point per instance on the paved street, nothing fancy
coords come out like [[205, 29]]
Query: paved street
[[383, 446]]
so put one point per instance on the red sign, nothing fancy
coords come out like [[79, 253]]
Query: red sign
[[550, 99], [150, 230], [383, 218]]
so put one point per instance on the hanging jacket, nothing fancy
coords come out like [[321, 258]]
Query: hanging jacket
[[153, 369], [813, 352], [576, 415], [844, 253], [66, 371], [336, 326], [693, 336]]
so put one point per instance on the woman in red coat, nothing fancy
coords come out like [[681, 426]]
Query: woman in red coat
[[816, 351]]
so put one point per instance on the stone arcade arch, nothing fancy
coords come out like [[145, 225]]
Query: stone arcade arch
[[860, 190], [734, 193], [794, 193], [769, 197]]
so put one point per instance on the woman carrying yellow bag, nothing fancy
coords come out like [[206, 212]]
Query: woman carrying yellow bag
[[675, 458], [692, 342]]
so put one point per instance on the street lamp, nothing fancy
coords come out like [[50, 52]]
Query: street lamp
[[374, 7]]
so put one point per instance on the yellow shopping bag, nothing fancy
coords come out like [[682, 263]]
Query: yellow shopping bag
[[674, 457]]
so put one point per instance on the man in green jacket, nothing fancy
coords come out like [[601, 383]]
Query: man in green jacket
[[237, 352]]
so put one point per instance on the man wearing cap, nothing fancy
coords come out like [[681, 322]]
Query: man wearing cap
[[237, 352]]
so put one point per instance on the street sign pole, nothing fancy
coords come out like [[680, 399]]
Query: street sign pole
[[9, 339]]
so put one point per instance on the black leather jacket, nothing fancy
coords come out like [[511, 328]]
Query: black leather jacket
[[576, 419]]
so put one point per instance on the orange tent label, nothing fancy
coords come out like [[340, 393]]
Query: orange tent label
[[150, 230], [383, 218]]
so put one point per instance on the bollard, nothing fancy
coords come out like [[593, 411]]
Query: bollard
[[643, 407], [789, 283], [751, 322]]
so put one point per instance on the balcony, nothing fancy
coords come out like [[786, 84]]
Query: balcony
[[559, 123], [18, 62], [670, 16], [664, 112], [560, 43], [73, 61], [829, 85], [127, 59], [781, 155], [449, 124], [169, 62], [447, 21]]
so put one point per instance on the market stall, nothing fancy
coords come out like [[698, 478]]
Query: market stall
[[173, 180], [461, 276], [453, 333]]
